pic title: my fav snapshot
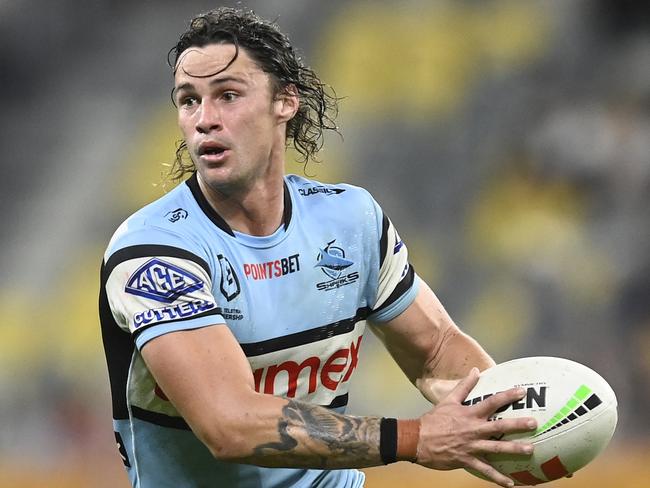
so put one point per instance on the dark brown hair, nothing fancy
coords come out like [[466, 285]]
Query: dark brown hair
[[272, 51]]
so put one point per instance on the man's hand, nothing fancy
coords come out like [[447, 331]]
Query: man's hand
[[435, 390], [456, 436]]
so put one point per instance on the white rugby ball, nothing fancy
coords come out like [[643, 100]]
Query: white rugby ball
[[575, 409]]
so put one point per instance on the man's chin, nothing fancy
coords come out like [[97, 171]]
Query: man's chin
[[220, 180]]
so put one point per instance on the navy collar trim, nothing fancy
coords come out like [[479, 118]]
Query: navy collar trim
[[193, 183]]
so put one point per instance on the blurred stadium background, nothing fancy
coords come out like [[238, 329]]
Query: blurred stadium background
[[509, 140]]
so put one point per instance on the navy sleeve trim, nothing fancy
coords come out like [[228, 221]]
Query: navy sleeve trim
[[383, 242], [214, 311], [150, 250], [401, 288]]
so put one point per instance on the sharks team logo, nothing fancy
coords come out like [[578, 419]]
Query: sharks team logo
[[332, 261], [162, 281]]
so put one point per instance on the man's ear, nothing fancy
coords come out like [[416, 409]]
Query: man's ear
[[286, 103]]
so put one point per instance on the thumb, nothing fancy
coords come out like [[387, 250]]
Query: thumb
[[435, 390], [459, 394]]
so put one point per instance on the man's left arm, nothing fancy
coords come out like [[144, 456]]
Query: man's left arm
[[428, 346]]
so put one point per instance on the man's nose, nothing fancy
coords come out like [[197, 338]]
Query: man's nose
[[209, 118]]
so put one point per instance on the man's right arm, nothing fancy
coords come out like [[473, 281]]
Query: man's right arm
[[207, 377]]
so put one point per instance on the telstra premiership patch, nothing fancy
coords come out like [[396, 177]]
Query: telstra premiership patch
[[162, 281]]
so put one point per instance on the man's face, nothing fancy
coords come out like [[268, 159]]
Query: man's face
[[230, 122]]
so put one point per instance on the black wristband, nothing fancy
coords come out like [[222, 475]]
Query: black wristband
[[388, 440]]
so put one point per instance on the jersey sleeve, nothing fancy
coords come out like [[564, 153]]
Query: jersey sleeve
[[397, 284], [154, 289]]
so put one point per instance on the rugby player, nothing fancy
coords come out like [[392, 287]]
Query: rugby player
[[233, 308]]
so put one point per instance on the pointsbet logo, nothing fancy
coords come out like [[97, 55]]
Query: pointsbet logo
[[272, 269]]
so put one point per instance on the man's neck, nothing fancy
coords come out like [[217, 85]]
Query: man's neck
[[256, 210]]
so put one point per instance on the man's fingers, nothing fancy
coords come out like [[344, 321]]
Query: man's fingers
[[491, 404], [489, 472], [496, 428], [463, 388], [503, 447]]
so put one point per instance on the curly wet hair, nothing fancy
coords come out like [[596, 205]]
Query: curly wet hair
[[273, 52]]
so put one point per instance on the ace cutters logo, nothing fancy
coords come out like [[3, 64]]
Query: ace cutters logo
[[162, 281]]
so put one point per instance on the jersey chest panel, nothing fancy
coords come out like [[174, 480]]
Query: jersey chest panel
[[297, 309]]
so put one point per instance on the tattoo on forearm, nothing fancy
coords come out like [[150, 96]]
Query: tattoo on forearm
[[313, 435]]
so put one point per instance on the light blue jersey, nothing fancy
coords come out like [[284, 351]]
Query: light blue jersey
[[297, 302]]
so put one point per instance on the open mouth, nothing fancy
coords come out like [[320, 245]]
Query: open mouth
[[211, 150]]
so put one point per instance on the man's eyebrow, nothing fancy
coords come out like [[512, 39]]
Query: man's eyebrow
[[215, 81]]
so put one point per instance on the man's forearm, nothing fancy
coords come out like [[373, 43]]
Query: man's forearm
[[457, 355], [315, 437]]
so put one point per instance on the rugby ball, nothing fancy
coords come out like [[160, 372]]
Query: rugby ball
[[575, 409]]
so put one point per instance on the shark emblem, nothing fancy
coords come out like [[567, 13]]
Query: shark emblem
[[332, 260]]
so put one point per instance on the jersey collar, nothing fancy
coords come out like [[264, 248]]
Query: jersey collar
[[193, 184]]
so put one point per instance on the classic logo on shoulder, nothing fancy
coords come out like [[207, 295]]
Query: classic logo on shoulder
[[332, 261], [229, 282], [315, 190], [162, 281], [176, 215]]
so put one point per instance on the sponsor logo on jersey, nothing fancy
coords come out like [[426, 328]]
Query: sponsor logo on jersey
[[162, 281], [176, 215], [323, 372], [272, 269], [315, 190], [535, 398], [165, 314], [229, 285], [332, 261]]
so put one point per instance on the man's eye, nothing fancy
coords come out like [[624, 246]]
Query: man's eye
[[188, 101], [229, 96]]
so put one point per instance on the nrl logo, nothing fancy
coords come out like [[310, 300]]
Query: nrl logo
[[229, 285]]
